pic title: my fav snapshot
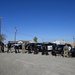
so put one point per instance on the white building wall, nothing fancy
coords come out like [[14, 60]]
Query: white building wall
[[59, 42]]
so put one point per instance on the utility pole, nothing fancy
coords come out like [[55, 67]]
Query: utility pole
[[15, 34], [73, 41], [0, 24], [0, 27]]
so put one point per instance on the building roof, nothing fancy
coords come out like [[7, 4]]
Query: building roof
[[20, 41]]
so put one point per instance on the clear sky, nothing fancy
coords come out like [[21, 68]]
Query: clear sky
[[48, 20]]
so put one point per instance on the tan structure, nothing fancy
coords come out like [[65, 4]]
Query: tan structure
[[23, 47], [72, 43]]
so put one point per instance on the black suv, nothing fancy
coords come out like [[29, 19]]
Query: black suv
[[59, 48], [73, 52], [38, 45]]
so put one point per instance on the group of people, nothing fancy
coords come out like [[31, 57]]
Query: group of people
[[44, 50], [66, 52], [16, 47]]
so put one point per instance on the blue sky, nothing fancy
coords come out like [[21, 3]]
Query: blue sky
[[48, 20]]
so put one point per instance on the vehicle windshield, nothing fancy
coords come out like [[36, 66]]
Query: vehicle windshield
[[61, 46], [73, 49]]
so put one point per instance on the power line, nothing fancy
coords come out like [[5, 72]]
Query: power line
[[6, 30], [25, 34]]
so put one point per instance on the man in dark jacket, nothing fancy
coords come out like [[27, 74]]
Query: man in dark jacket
[[1, 47], [2, 44], [16, 46], [53, 50], [9, 47]]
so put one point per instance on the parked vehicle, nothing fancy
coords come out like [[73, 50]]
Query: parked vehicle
[[39, 46], [59, 48], [33, 45], [27, 47], [73, 52], [18, 46], [49, 46]]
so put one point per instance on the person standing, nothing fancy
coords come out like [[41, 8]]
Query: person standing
[[0, 47], [16, 46], [35, 49], [9, 47], [43, 49], [23, 47], [54, 50], [46, 50], [66, 50]]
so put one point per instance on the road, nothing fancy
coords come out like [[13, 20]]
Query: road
[[31, 64]]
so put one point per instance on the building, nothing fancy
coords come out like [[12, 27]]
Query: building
[[59, 41], [20, 41], [12, 42], [63, 42]]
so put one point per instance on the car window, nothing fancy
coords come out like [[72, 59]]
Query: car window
[[49, 47]]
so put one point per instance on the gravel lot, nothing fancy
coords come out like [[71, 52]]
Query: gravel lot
[[31, 64]]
